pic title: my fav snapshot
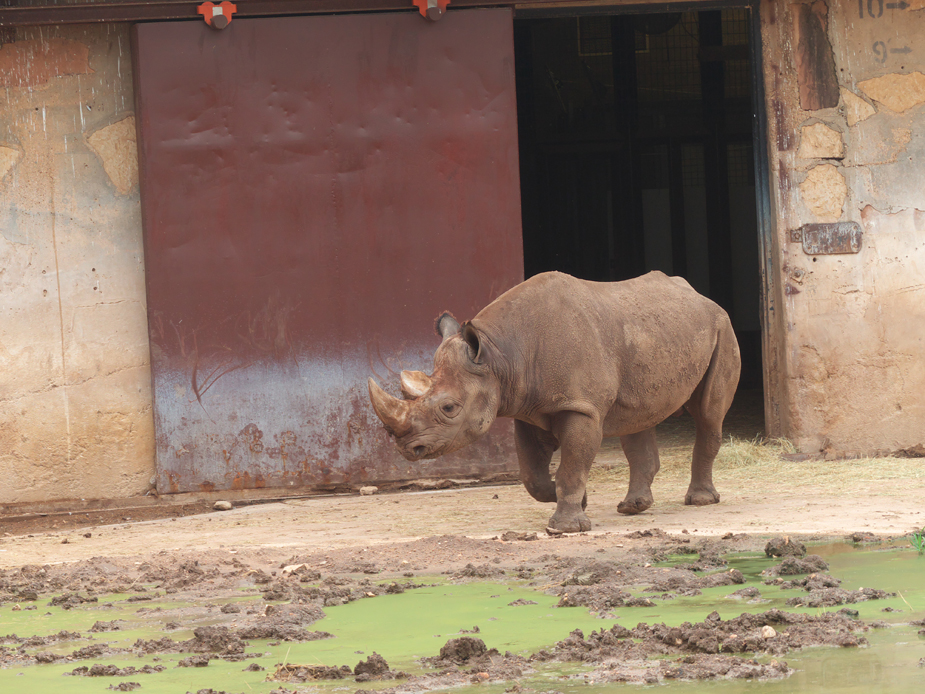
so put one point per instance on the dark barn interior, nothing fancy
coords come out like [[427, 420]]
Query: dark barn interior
[[637, 154]]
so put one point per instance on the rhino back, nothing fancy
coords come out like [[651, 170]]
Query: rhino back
[[636, 347]]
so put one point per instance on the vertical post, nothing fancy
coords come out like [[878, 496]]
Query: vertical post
[[531, 202], [676, 201], [626, 163], [715, 163], [771, 329]]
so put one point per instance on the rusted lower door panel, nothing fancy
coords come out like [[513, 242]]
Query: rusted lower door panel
[[315, 190]]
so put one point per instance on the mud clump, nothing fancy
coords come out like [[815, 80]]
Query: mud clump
[[481, 571], [750, 593], [829, 597], [811, 582], [657, 533], [709, 650], [100, 670], [298, 674], [511, 536], [286, 623], [164, 644], [299, 615], [70, 600], [785, 547], [711, 667], [862, 537], [218, 640], [333, 590], [794, 566], [463, 649], [375, 668], [95, 650], [194, 661], [282, 632], [124, 686]]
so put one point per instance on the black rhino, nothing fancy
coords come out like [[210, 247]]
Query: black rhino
[[573, 361]]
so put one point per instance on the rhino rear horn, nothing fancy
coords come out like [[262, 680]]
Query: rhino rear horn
[[446, 325], [414, 384], [394, 413]]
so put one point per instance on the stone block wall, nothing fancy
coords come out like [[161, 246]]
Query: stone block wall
[[846, 111]]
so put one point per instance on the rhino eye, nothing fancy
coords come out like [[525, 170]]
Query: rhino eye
[[449, 408]]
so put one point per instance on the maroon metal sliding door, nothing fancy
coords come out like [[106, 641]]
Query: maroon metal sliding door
[[315, 190]]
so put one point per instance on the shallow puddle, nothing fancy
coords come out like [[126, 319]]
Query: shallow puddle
[[404, 627]]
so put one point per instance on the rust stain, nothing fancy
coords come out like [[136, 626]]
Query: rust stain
[[252, 437], [259, 329], [38, 61], [206, 486], [815, 60]]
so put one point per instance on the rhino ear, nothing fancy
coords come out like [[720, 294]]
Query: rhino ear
[[446, 325], [472, 338]]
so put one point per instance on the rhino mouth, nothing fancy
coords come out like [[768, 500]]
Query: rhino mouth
[[417, 450], [421, 452]]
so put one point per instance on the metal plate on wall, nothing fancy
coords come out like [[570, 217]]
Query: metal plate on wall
[[829, 239], [315, 190]]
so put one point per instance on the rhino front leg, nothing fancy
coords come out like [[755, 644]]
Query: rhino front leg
[[580, 439], [642, 454], [534, 452]]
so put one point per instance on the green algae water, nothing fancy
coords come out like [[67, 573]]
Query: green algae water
[[404, 627]]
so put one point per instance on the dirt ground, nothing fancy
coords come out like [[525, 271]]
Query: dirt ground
[[764, 492]]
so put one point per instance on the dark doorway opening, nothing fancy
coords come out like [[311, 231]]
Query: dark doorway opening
[[636, 154]]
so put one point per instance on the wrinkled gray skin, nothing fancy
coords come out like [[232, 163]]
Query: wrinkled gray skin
[[573, 361]]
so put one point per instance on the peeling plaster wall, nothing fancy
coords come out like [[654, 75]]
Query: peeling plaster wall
[[75, 394], [851, 327]]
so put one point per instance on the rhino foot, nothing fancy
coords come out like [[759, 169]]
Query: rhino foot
[[631, 507], [572, 524], [701, 497]]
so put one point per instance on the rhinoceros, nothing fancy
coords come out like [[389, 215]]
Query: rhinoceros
[[573, 361]]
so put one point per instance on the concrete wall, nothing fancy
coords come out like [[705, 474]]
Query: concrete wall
[[846, 110], [75, 395]]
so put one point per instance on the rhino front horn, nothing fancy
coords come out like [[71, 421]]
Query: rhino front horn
[[393, 412]]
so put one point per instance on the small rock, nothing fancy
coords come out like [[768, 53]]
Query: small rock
[[768, 632], [222, 506], [785, 547], [368, 491]]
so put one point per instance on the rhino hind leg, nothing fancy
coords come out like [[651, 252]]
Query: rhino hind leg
[[642, 454], [709, 405], [580, 438]]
